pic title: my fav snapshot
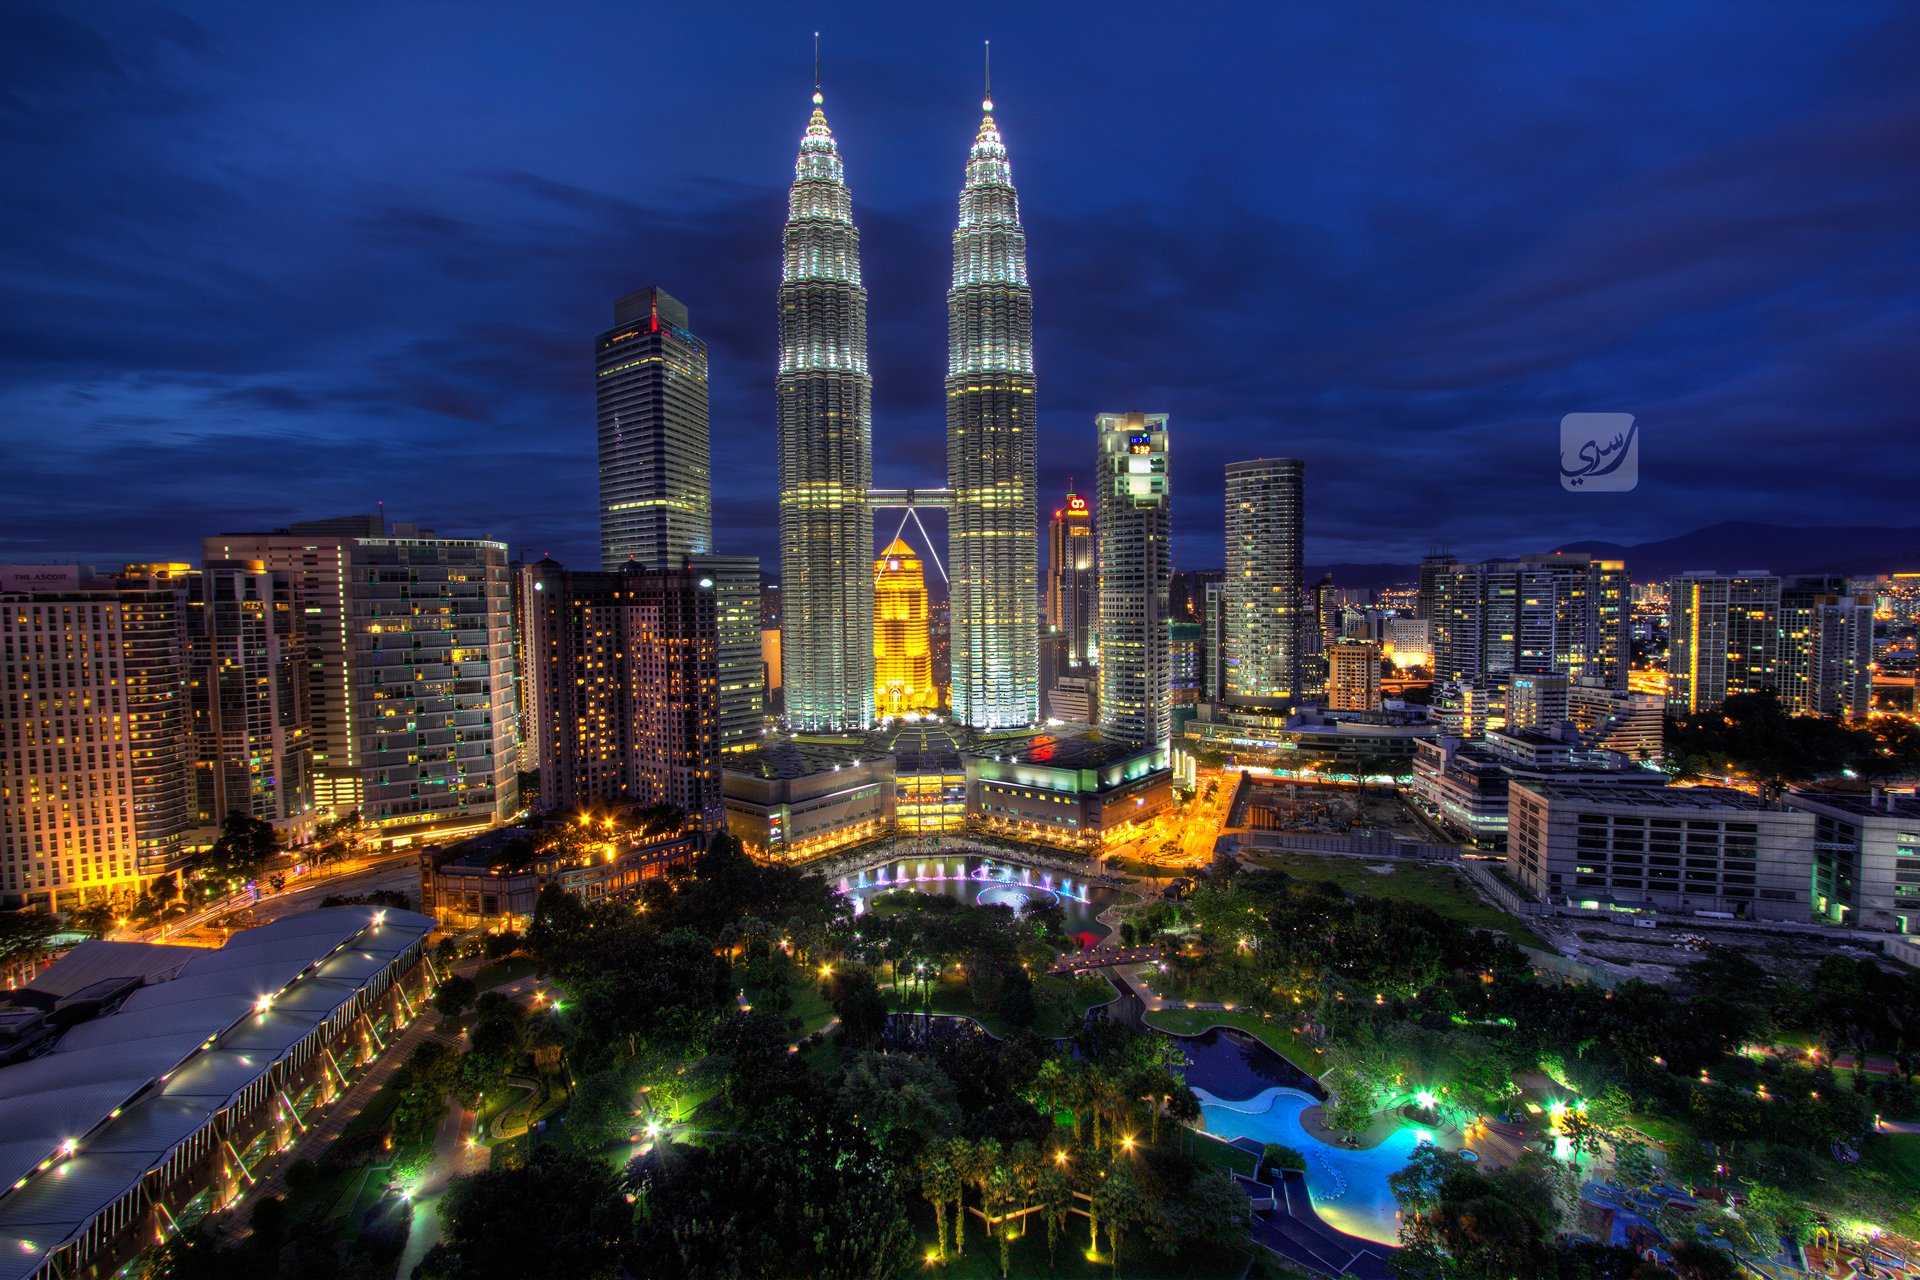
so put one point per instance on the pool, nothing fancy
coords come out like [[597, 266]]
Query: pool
[[1229, 1063], [1349, 1188], [983, 881]]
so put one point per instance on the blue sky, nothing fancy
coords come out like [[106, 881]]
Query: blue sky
[[269, 262]]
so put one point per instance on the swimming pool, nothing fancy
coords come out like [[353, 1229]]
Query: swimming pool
[[1349, 1188]]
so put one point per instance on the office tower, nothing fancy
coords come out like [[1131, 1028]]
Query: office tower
[[1186, 661], [315, 555], [743, 674], [826, 448], [1073, 580], [1411, 640], [1537, 701], [902, 649], [1563, 612], [434, 707], [625, 669], [94, 768], [1826, 647], [1213, 684], [246, 696], [1434, 568], [656, 470], [991, 548], [1265, 528], [1353, 676], [1724, 638], [1135, 556]]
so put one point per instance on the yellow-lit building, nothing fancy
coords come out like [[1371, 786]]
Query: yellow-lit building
[[902, 652]]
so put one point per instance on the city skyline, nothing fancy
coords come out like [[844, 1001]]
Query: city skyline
[[300, 417]]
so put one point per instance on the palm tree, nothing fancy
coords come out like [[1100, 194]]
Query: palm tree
[[940, 1184], [1111, 1101], [1121, 1206], [1050, 1082], [997, 1200], [1056, 1197]]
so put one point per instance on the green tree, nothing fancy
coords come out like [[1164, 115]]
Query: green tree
[[1121, 1207], [455, 995], [559, 1217], [241, 852]]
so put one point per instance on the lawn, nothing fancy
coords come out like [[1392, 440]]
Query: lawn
[[501, 972], [1061, 1016], [810, 1003], [1273, 1033], [1441, 888]]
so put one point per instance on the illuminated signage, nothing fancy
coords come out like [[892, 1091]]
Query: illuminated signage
[[1140, 444]]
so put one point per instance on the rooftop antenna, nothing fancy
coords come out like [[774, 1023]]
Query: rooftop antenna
[[986, 104], [818, 97]]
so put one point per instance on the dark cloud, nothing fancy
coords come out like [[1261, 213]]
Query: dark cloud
[[261, 265]]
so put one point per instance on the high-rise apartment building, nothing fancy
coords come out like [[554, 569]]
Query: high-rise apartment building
[[1264, 576], [1073, 581], [247, 697], [656, 469], [1136, 557], [435, 709], [315, 555], [1723, 638], [1564, 612], [95, 781], [624, 675], [1213, 620], [991, 464], [902, 648], [826, 449], [1633, 724], [1826, 647], [1353, 676], [742, 700]]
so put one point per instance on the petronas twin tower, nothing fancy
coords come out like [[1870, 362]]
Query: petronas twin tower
[[826, 450]]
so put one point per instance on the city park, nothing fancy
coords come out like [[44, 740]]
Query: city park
[[749, 1070]]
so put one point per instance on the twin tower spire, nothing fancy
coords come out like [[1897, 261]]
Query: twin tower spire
[[826, 448]]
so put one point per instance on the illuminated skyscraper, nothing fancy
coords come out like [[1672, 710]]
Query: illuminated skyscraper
[[624, 669], [1136, 558], [656, 470], [1265, 580], [826, 448], [993, 552], [1073, 580], [902, 652]]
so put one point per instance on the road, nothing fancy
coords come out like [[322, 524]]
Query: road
[[393, 872], [1192, 827]]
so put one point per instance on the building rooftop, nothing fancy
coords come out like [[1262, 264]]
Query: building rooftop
[[1677, 798], [83, 1124], [1889, 804], [1060, 750], [786, 759]]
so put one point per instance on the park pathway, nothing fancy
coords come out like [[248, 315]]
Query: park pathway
[[453, 1157]]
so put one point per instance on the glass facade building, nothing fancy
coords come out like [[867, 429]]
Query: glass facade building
[[656, 468], [992, 548], [1136, 559], [826, 449], [1265, 578]]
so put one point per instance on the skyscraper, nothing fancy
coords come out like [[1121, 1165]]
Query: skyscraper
[[902, 650], [826, 448], [1826, 647], [246, 694], [742, 697], [992, 549], [1136, 557], [1724, 638], [1265, 572], [435, 708], [94, 768], [624, 673], [1073, 580], [656, 471], [1564, 612]]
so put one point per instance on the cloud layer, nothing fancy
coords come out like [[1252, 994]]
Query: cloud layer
[[264, 264]]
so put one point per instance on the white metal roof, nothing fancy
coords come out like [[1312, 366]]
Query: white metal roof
[[128, 1088]]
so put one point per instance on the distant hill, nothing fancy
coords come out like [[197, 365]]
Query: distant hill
[[1741, 544], [1736, 544]]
